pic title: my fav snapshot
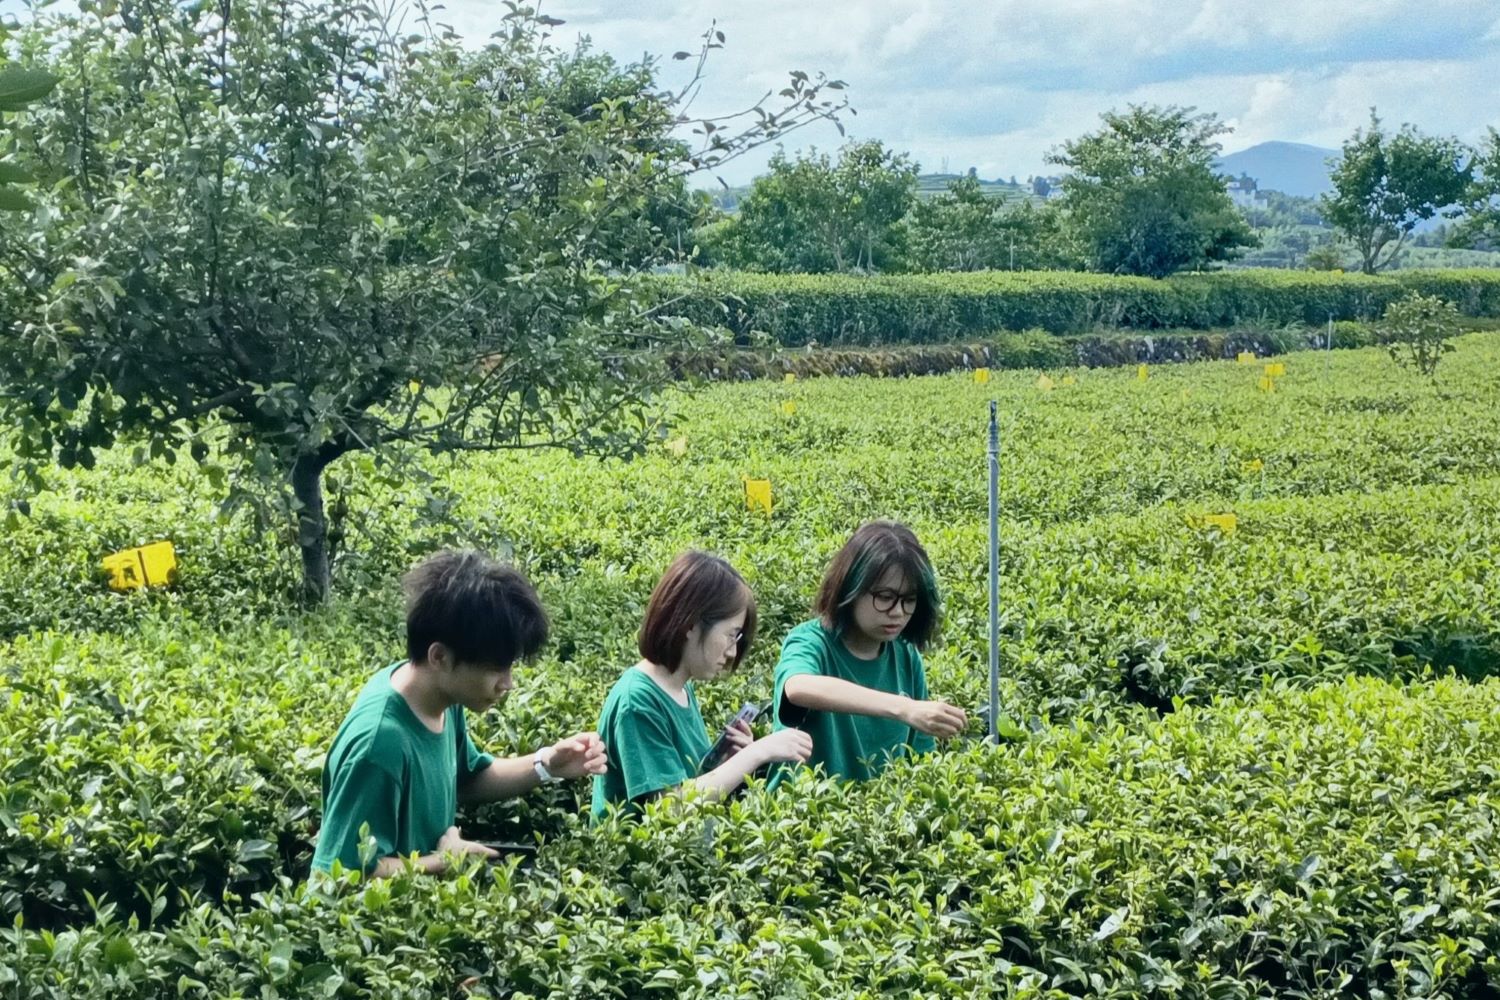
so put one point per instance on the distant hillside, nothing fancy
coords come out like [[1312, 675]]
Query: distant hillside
[[1288, 167]]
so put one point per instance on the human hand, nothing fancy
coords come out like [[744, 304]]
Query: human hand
[[578, 756], [738, 736], [785, 744], [935, 718], [452, 842]]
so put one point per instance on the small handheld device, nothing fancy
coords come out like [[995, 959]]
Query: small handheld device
[[720, 751], [526, 852]]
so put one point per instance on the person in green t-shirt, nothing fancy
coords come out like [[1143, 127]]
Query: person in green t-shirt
[[402, 760], [699, 621], [853, 678]]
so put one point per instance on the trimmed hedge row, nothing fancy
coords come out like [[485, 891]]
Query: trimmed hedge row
[[797, 310]]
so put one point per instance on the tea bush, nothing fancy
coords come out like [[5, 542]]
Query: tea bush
[[1321, 843], [1253, 762]]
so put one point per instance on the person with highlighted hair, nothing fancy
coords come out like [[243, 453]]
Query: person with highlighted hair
[[852, 678]]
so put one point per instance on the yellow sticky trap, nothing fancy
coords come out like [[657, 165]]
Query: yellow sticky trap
[[1069, 380], [677, 446], [1275, 370], [147, 566], [1253, 465], [1245, 358], [1044, 383], [789, 407], [1142, 372], [981, 375], [1266, 384], [1226, 523], [125, 570], [789, 377], [758, 495]]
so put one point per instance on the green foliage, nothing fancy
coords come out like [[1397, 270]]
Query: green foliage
[[1419, 330], [1274, 208], [19, 87], [1325, 257], [798, 310], [1320, 843], [965, 229], [1481, 223], [816, 215], [325, 235], [170, 740], [1251, 764], [1385, 185], [1143, 196]]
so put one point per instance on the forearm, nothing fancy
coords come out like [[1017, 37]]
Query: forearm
[[728, 776], [505, 778], [829, 694]]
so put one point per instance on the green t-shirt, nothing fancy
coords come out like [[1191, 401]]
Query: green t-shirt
[[387, 769], [851, 746], [654, 743]]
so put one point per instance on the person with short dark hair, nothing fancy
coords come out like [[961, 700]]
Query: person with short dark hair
[[853, 676], [402, 760], [699, 621]]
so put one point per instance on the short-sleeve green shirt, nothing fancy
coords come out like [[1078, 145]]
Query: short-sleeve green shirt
[[387, 769], [856, 747], [654, 743]]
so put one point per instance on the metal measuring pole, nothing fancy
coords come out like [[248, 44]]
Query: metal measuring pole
[[994, 574], [1328, 352]]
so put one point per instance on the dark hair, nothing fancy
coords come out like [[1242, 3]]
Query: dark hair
[[697, 589], [866, 556], [484, 611]]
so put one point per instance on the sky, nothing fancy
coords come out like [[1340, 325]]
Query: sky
[[996, 84]]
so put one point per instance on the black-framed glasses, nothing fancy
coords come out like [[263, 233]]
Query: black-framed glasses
[[885, 601]]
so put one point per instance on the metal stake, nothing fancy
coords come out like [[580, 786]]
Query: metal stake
[[994, 712]]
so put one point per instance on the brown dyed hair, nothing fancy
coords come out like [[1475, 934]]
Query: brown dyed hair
[[485, 612], [859, 565], [697, 589]]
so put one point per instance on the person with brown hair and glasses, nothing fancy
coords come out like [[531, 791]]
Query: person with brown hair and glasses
[[852, 678], [699, 622]]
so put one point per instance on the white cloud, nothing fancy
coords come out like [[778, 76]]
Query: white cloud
[[997, 83]]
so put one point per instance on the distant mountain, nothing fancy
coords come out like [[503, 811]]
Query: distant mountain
[[1288, 167]]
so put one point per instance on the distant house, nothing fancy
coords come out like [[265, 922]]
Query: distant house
[[1243, 191]]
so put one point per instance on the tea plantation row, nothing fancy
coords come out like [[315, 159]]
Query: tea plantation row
[[1325, 843], [164, 747]]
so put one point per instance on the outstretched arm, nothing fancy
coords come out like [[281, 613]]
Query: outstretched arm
[[830, 694], [579, 756]]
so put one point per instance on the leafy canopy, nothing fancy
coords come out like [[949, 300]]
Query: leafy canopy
[[813, 214], [1142, 195], [1384, 185], [323, 230]]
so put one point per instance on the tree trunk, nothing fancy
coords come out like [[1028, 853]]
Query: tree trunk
[[312, 525]]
